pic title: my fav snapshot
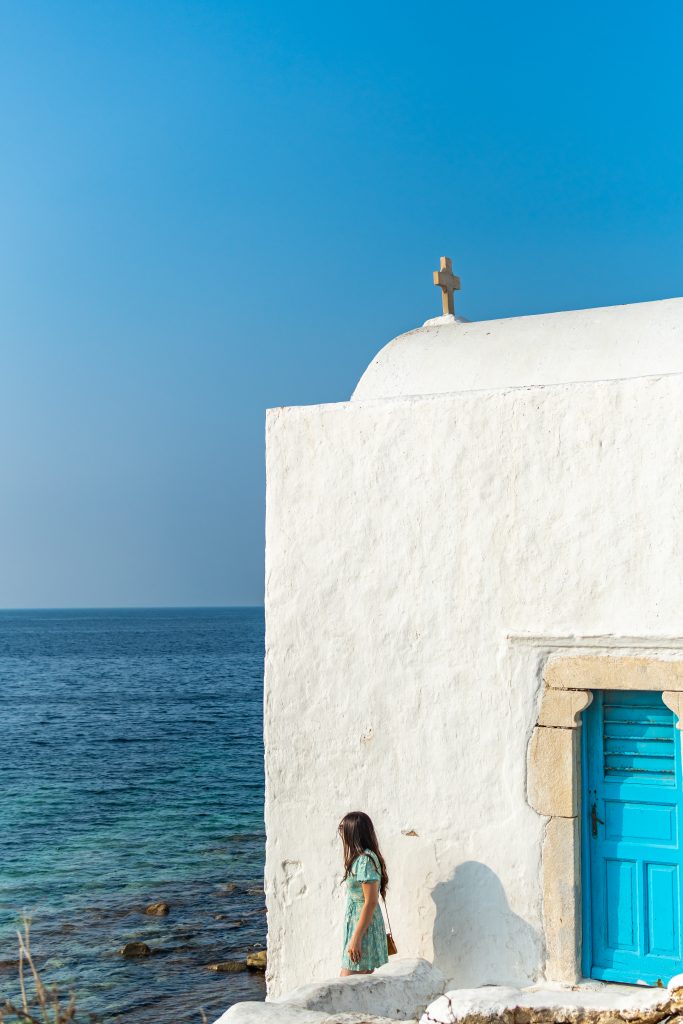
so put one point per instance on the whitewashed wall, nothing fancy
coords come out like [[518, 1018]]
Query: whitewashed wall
[[406, 540]]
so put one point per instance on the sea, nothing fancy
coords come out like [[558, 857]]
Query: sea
[[131, 771]]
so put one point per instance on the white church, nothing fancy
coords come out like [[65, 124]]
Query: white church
[[474, 611]]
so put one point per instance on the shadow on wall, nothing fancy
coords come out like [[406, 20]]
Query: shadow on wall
[[478, 940]]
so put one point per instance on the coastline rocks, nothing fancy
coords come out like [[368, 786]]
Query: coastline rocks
[[159, 909], [227, 965], [257, 961], [228, 887], [135, 949]]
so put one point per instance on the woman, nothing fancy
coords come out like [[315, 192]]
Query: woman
[[365, 938]]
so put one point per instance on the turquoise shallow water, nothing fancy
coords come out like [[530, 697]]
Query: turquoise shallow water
[[132, 771]]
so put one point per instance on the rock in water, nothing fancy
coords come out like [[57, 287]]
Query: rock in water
[[135, 949], [227, 965], [257, 961], [157, 909]]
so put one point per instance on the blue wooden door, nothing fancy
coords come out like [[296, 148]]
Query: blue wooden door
[[631, 812]]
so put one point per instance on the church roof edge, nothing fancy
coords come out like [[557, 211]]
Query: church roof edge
[[598, 343]]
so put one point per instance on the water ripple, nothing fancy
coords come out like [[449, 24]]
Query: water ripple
[[134, 773]]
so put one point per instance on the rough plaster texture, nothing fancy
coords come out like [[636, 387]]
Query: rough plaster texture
[[412, 546], [400, 990], [448, 354], [270, 1013]]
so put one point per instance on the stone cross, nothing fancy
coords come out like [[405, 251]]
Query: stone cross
[[448, 283]]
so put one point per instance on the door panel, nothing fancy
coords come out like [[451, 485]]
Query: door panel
[[662, 906], [620, 903], [634, 822], [631, 807]]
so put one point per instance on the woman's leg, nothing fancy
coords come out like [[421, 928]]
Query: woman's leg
[[346, 973]]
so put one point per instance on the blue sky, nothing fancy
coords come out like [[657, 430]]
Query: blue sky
[[209, 208]]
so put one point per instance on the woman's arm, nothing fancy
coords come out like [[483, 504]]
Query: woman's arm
[[371, 896]]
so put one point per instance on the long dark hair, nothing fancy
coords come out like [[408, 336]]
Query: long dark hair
[[358, 835]]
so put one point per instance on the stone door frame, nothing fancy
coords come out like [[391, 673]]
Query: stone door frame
[[554, 780]]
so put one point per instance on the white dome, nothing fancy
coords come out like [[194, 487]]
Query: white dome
[[449, 354]]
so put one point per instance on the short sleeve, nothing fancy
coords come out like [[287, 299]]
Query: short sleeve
[[364, 869]]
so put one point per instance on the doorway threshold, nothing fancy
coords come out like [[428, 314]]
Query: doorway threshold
[[587, 1002]]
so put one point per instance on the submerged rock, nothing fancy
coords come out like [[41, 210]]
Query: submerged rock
[[227, 965], [157, 909], [132, 949], [257, 961]]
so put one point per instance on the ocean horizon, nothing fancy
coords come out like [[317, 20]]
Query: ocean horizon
[[133, 773]]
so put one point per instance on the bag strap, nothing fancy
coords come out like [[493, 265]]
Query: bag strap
[[379, 868], [387, 913]]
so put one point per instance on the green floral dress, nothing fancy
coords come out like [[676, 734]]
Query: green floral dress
[[365, 868]]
